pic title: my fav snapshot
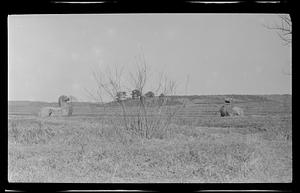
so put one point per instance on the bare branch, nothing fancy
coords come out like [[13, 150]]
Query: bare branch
[[91, 95], [284, 29], [139, 78], [172, 86], [286, 19], [186, 84]]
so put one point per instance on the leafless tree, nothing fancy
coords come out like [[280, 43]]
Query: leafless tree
[[139, 77], [166, 86], [107, 83], [110, 83], [150, 116], [283, 29]]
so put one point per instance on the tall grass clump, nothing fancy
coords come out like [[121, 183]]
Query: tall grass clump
[[32, 133]]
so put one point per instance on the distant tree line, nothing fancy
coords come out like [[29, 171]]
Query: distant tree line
[[135, 94]]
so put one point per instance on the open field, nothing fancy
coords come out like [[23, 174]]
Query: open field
[[198, 146]]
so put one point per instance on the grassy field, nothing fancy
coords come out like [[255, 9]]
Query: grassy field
[[198, 146]]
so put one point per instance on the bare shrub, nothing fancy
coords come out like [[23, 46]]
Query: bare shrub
[[151, 115]]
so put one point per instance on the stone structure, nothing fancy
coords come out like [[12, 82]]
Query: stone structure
[[65, 108], [228, 109]]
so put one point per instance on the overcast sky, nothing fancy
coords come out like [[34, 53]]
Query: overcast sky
[[51, 55]]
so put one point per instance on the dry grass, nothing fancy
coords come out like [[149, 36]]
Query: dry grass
[[196, 146], [209, 149]]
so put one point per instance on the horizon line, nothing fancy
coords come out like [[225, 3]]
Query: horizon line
[[91, 101]]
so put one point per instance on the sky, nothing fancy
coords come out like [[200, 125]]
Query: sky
[[205, 54]]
